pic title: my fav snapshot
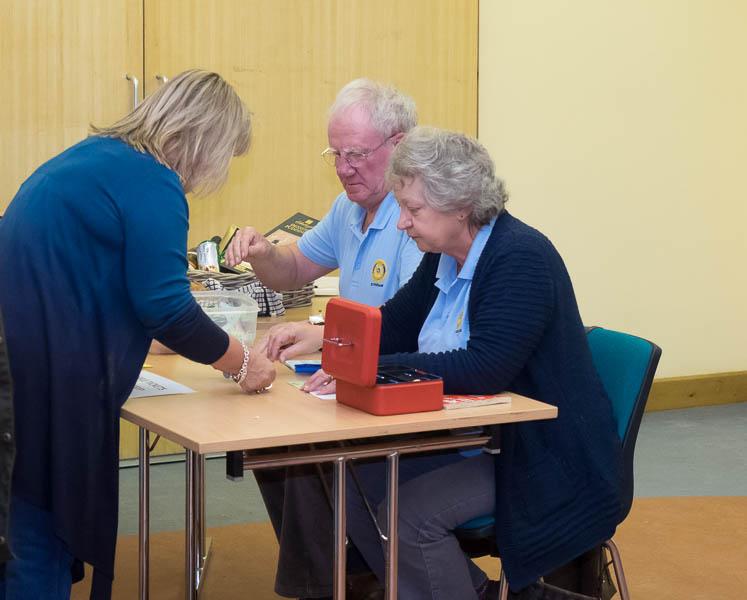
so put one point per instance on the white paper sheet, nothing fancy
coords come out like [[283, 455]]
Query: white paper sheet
[[299, 385], [150, 384]]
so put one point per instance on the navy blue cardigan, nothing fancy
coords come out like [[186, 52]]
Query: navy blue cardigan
[[557, 481], [94, 266]]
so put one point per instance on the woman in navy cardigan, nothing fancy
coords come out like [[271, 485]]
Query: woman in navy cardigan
[[94, 267], [490, 308]]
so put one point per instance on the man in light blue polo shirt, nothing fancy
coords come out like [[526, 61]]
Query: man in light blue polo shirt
[[360, 237], [373, 264]]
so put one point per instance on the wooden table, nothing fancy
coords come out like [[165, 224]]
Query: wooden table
[[220, 418]]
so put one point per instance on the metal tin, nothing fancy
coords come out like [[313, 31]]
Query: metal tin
[[207, 256]]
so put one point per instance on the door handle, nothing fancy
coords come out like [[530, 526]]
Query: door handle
[[135, 90]]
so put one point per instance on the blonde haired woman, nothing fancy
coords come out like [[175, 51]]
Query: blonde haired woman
[[98, 235]]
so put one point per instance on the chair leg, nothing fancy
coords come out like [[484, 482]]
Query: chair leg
[[622, 585], [503, 588]]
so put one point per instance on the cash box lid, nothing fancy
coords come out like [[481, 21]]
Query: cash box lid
[[352, 332]]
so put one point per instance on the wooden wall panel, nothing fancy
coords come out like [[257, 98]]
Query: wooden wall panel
[[288, 59], [63, 64]]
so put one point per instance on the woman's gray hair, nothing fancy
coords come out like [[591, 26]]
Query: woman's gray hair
[[390, 110], [194, 124], [456, 171]]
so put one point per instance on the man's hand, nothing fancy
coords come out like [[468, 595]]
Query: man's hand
[[280, 267], [247, 244], [260, 372], [287, 340]]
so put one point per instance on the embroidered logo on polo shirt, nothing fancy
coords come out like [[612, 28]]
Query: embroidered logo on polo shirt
[[378, 273]]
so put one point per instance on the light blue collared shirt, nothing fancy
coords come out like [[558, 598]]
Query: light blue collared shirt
[[373, 265], [447, 325]]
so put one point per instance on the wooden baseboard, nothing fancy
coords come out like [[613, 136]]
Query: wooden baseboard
[[698, 390]]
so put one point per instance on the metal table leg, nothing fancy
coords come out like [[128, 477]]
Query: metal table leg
[[144, 514], [197, 546], [503, 588], [392, 464], [340, 534], [191, 559], [201, 547]]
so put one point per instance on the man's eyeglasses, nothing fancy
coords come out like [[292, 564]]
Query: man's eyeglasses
[[354, 158]]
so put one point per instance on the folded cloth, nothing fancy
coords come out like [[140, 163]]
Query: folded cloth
[[270, 302]]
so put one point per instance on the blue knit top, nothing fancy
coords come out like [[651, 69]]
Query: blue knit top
[[93, 266], [557, 481]]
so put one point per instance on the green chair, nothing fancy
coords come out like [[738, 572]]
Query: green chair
[[626, 365]]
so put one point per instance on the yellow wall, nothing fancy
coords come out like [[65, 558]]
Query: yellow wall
[[621, 130]]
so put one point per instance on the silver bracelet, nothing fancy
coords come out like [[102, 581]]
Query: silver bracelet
[[241, 375]]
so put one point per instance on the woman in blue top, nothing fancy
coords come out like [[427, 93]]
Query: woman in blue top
[[490, 308], [94, 268]]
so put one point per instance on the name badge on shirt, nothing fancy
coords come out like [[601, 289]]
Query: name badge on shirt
[[378, 273]]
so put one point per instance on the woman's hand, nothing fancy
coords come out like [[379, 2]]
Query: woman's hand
[[287, 340], [260, 372], [321, 383]]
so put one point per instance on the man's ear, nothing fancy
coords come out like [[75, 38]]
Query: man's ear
[[397, 138]]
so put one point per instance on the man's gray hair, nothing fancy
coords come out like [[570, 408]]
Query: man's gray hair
[[456, 170], [390, 110]]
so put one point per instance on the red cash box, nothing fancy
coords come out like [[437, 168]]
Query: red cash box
[[352, 332]]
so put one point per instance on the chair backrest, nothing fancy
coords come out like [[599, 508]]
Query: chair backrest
[[626, 364]]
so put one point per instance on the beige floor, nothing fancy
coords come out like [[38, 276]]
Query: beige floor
[[684, 548]]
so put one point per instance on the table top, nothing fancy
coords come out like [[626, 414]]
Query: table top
[[219, 417]]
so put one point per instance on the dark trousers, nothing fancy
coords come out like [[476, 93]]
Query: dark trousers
[[41, 567], [438, 492], [302, 518], [301, 515]]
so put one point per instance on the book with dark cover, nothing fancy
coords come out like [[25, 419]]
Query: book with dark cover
[[291, 229]]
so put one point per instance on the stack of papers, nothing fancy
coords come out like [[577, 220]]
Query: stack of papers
[[327, 286], [472, 400]]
